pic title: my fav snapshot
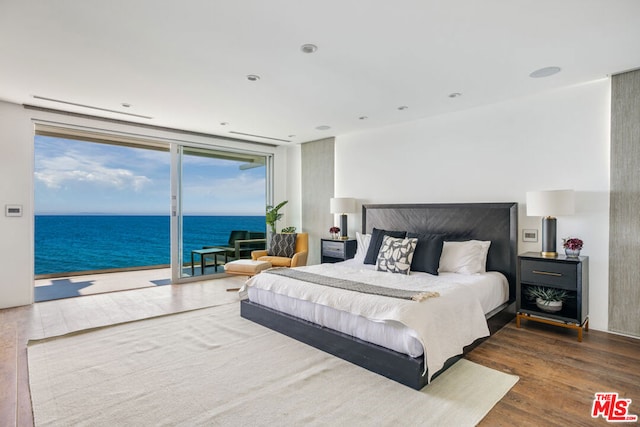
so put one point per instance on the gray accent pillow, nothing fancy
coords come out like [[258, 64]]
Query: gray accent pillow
[[283, 245], [376, 241], [396, 254]]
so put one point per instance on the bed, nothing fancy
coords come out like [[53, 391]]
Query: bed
[[364, 332]]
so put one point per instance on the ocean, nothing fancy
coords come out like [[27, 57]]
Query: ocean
[[70, 243]]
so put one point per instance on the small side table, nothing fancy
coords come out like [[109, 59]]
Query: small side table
[[203, 257], [337, 250], [564, 273]]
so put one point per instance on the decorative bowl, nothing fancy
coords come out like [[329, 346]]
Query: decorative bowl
[[549, 306]]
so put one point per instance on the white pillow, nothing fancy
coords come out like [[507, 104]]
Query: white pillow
[[469, 257], [363, 241], [485, 251]]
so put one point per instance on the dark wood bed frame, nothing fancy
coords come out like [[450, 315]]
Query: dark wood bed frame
[[497, 222]]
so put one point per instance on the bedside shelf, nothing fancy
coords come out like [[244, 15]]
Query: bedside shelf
[[337, 250], [568, 274]]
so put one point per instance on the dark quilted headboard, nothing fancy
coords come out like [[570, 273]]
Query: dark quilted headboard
[[497, 222]]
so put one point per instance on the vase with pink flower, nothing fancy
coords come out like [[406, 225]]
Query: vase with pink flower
[[572, 247], [335, 232]]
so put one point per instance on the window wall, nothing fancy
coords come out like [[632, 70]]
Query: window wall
[[111, 201]]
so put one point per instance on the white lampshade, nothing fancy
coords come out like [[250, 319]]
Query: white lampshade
[[550, 203], [341, 205]]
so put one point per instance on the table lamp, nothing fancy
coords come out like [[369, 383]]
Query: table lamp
[[548, 205], [342, 206]]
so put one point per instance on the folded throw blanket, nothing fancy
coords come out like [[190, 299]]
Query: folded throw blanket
[[350, 285]]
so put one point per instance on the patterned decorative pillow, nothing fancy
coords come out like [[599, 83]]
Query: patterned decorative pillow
[[283, 245], [375, 243], [396, 254]]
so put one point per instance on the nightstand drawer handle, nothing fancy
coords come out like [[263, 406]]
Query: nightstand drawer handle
[[547, 273]]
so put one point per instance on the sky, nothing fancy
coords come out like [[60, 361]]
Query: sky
[[77, 177]]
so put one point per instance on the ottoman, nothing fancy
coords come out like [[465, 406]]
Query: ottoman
[[245, 267]]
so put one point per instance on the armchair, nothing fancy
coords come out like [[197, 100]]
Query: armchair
[[299, 258]]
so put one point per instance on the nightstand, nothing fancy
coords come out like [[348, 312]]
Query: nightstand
[[337, 250], [568, 274]]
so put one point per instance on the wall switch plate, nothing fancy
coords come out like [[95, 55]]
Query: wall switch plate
[[529, 235], [13, 210]]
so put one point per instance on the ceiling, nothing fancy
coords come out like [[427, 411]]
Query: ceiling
[[184, 64]]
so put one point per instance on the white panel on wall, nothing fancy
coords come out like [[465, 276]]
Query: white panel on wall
[[497, 153], [293, 187], [16, 188]]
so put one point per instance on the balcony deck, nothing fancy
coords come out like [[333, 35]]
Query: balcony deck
[[75, 285]]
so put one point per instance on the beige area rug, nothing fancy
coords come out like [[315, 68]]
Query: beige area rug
[[212, 367]]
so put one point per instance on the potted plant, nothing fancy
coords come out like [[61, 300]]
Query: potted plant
[[572, 246], [273, 215], [547, 299], [290, 229]]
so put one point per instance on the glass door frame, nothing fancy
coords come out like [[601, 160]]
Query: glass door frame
[[176, 151]]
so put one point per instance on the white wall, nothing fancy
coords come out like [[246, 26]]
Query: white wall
[[16, 188], [16, 184], [497, 153], [293, 212]]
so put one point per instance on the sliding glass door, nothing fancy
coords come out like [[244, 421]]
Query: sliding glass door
[[219, 206]]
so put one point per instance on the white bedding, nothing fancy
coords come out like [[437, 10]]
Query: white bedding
[[442, 326]]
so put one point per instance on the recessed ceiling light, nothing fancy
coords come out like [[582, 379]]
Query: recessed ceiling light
[[402, 107], [363, 118], [126, 105], [308, 48], [323, 127], [455, 95], [224, 123], [545, 72], [291, 136], [253, 77]]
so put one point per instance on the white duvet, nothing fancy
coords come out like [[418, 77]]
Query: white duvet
[[442, 325]]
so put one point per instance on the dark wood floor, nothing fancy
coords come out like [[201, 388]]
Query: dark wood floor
[[558, 375]]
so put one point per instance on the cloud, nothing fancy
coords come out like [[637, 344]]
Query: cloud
[[241, 194], [240, 186], [76, 175], [72, 167]]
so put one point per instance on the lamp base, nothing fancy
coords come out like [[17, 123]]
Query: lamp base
[[343, 227], [549, 237]]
